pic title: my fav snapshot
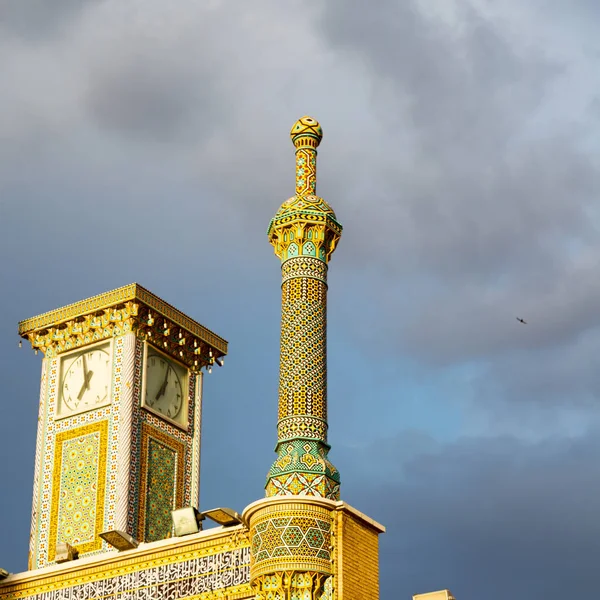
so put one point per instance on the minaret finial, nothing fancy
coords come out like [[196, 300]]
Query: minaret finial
[[306, 135]]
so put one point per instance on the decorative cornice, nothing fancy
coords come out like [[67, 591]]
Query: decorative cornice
[[131, 308], [277, 502]]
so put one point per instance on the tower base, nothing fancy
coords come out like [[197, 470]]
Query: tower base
[[313, 549]]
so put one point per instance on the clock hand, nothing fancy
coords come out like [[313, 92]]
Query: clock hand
[[86, 384], [86, 376], [163, 387]]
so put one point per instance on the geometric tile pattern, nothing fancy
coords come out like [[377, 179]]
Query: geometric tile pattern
[[161, 491], [306, 203], [290, 536], [36, 470], [306, 134], [292, 539], [302, 467], [306, 171], [308, 484], [301, 426], [309, 266], [78, 487], [39, 557], [304, 233], [303, 358], [123, 392], [135, 450], [195, 420], [161, 477]]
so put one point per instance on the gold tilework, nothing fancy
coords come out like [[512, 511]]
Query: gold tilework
[[131, 308], [304, 226], [306, 131], [304, 234], [303, 361], [358, 559], [291, 536], [213, 565], [293, 585], [78, 484], [306, 171], [121, 295], [293, 542]]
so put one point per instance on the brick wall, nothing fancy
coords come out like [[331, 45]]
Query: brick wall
[[357, 559]]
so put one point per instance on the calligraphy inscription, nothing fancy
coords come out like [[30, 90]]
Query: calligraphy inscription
[[164, 582]]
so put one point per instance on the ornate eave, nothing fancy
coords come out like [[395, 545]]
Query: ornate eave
[[131, 308], [305, 216]]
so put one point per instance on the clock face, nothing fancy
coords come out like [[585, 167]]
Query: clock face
[[85, 380], [166, 387]]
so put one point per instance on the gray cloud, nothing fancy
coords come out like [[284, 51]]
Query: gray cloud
[[455, 513], [459, 164], [144, 96], [482, 211], [566, 376], [155, 74], [37, 19]]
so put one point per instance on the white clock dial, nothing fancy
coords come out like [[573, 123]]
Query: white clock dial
[[85, 383], [165, 387]]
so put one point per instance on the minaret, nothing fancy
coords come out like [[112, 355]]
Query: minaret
[[294, 530], [304, 233]]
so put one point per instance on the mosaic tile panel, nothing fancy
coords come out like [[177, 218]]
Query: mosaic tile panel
[[162, 471], [78, 487], [302, 467], [161, 478]]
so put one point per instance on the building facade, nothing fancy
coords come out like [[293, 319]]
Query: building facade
[[118, 445]]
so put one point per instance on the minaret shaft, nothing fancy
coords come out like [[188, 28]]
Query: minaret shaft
[[303, 359]]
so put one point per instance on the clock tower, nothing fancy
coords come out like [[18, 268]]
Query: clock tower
[[118, 441]]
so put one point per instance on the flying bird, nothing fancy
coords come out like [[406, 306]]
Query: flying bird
[[521, 321]]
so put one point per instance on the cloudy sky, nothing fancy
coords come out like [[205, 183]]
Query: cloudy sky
[[145, 140]]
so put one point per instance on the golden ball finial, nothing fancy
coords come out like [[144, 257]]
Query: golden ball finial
[[306, 132]]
